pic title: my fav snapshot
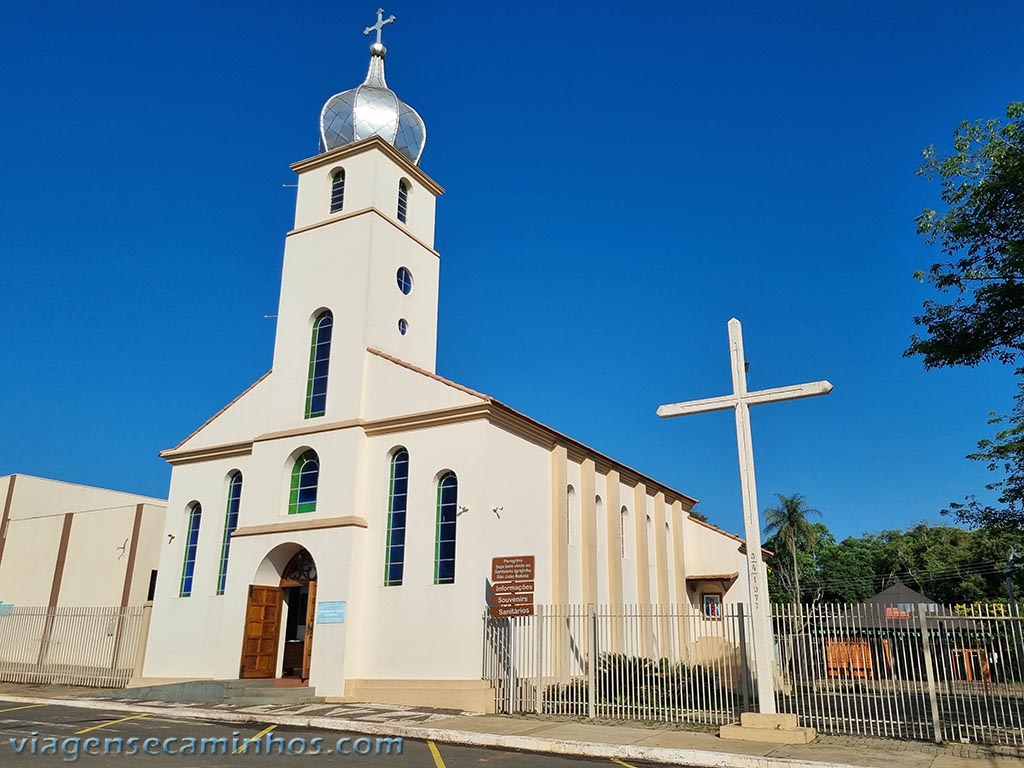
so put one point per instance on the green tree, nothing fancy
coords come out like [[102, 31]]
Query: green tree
[[788, 524], [847, 570], [981, 315], [1003, 454], [982, 234]]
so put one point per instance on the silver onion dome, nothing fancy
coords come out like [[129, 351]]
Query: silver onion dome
[[372, 109]]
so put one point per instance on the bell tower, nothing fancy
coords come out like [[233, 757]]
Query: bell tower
[[360, 270]]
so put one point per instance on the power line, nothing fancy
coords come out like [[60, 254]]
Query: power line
[[921, 576]]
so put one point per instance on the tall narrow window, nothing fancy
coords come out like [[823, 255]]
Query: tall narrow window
[[403, 200], [394, 555], [188, 568], [447, 512], [338, 190], [571, 533], [623, 530], [319, 362], [230, 523], [305, 478]]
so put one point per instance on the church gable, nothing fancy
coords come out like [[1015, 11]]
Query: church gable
[[396, 388], [238, 421]]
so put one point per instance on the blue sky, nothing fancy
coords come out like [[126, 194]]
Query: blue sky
[[620, 183]]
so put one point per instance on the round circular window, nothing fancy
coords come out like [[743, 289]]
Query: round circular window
[[404, 277], [403, 326]]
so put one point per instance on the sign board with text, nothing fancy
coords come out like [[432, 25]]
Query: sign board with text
[[331, 612], [510, 611], [508, 587], [512, 586], [512, 568], [523, 599]]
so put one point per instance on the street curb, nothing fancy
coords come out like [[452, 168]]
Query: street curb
[[697, 758]]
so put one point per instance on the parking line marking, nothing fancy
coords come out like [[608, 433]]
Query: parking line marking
[[107, 725], [620, 762], [27, 706], [438, 761], [258, 736]]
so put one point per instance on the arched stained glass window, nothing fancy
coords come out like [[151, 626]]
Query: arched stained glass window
[[394, 554], [319, 362], [338, 190], [403, 200], [444, 542], [305, 478], [301, 567], [230, 523], [188, 568]]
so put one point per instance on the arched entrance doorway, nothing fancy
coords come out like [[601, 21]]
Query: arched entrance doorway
[[286, 609]]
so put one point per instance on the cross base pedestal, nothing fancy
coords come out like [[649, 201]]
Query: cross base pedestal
[[771, 729]]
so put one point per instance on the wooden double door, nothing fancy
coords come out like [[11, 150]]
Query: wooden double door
[[266, 612]]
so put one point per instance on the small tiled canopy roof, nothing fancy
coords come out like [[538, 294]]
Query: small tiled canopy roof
[[714, 576]]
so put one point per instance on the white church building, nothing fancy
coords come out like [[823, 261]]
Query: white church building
[[336, 522]]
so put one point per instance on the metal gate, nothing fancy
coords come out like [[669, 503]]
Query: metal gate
[[917, 671], [72, 646], [652, 663]]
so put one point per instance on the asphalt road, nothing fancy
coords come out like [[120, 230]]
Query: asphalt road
[[46, 736]]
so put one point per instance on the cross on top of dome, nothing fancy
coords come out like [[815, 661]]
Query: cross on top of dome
[[381, 21]]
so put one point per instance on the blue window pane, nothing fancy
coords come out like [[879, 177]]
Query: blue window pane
[[446, 571], [401, 485], [324, 328], [395, 573], [397, 537], [404, 278], [449, 494], [318, 403], [308, 477]]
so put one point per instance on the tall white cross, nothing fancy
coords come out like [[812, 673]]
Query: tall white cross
[[381, 21], [740, 401]]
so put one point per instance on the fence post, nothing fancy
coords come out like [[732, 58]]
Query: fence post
[[592, 664], [926, 648], [511, 666], [744, 659], [539, 618], [143, 635]]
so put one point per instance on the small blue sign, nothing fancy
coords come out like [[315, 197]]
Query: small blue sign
[[6, 609], [331, 612]]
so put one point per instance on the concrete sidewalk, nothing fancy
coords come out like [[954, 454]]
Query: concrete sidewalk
[[658, 744]]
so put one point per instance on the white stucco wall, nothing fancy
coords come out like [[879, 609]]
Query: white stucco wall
[[240, 420]]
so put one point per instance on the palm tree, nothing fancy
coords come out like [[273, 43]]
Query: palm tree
[[788, 522]]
